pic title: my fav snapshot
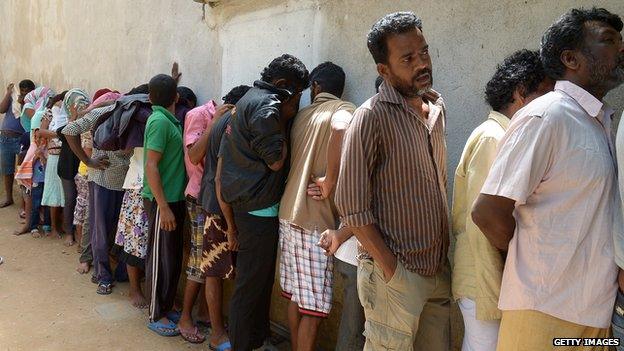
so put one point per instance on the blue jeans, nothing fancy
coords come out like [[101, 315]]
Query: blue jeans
[[37, 194], [617, 321], [9, 149]]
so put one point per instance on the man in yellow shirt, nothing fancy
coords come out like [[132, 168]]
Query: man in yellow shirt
[[478, 266]]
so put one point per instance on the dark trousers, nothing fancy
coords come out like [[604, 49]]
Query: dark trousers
[[255, 273], [103, 217], [70, 193], [36, 195], [352, 319], [164, 259]]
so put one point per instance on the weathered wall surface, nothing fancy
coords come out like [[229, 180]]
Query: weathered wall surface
[[120, 44]]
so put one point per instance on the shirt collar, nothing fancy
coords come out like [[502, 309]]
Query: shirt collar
[[389, 94], [324, 97], [500, 119], [587, 101], [167, 114], [272, 88]]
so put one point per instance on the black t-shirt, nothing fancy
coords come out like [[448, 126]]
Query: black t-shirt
[[207, 194], [68, 162]]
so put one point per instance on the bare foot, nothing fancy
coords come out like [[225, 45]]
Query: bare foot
[[69, 240], [78, 248], [216, 340], [23, 230], [138, 300], [6, 203], [53, 234], [83, 268]]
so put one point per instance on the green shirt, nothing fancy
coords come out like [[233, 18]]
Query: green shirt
[[163, 134]]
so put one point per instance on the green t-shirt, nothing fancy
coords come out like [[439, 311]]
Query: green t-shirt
[[163, 134]]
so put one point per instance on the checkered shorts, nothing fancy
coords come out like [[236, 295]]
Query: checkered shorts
[[198, 218], [306, 274]]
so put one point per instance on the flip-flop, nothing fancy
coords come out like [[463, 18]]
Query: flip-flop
[[221, 347], [174, 316], [163, 329], [104, 288], [192, 335], [35, 233], [1, 260]]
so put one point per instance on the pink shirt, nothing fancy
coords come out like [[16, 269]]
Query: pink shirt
[[557, 162], [194, 126]]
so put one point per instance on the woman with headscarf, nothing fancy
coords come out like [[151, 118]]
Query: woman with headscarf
[[74, 103], [34, 107]]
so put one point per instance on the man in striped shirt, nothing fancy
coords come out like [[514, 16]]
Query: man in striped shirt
[[391, 192]]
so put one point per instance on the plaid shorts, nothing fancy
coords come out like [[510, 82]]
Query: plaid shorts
[[306, 274], [198, 218], [82, 201]]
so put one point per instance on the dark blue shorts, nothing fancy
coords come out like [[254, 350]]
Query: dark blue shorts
[[9, 149]]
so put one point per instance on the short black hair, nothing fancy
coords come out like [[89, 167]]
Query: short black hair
[[568, 33], [27, 84], [187, 96], [290, 68], [522, 68], [390, 24], [236, 94], [56, 98], [162, 90], [141, 89], [330, 77], [378, 82]]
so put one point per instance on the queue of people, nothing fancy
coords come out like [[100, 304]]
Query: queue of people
[[536, 209]]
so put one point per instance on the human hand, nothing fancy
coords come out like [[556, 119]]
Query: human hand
[[175, 72], [329, 242], [98, 163], [232, 237], [621, 279], [9, 89], [389, 269], [320, 188], [167, 219], [222, 109]]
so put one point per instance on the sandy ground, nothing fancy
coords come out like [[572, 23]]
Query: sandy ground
[[46, 305]]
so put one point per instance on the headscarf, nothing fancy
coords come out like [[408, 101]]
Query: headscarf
[[110, 96], [75, 98], [35, 100], [100, 92]]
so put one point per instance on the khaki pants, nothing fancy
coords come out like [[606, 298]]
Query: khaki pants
[[532, 330], [410, 312]]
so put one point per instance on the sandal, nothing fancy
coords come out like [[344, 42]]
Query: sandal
[[35, 233], [94, 279], [163, 329], [192, 335], [224, 346], [104, 288], [1, 260]]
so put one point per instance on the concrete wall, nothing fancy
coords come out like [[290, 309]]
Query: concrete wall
[[120, 44]]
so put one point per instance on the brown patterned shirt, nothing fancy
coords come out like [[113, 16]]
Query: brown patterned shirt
[[393, 175]]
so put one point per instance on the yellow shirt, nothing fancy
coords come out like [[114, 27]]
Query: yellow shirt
[[478, 266]]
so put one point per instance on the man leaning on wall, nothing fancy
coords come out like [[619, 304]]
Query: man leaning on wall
[[550, 199], [392, 194]]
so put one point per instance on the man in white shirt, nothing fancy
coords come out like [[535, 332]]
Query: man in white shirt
[[551, 198]]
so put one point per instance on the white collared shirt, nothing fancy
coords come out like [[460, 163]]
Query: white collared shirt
[[557, 162]]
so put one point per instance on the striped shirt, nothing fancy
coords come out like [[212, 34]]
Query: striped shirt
[[114, 175], [393, 175]]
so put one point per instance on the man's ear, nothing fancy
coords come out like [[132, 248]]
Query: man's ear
[[383, 70], [281, 83], [571, 59], [519, 94], [177, 98]]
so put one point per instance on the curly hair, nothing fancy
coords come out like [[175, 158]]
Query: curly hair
[[235, 94], [522, 68], [391, 24], [568, 33], [290, 68]]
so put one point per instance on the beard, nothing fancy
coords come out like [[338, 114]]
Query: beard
[[410, 89], [604, 76]]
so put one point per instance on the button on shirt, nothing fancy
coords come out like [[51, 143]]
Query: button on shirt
[[557, 162], [393, 175], [113, 176]]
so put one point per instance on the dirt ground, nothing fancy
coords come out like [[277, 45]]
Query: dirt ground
[[46, 305]]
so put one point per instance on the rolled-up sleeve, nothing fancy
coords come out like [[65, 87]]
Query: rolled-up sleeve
[[354, 193], [267, 138]]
